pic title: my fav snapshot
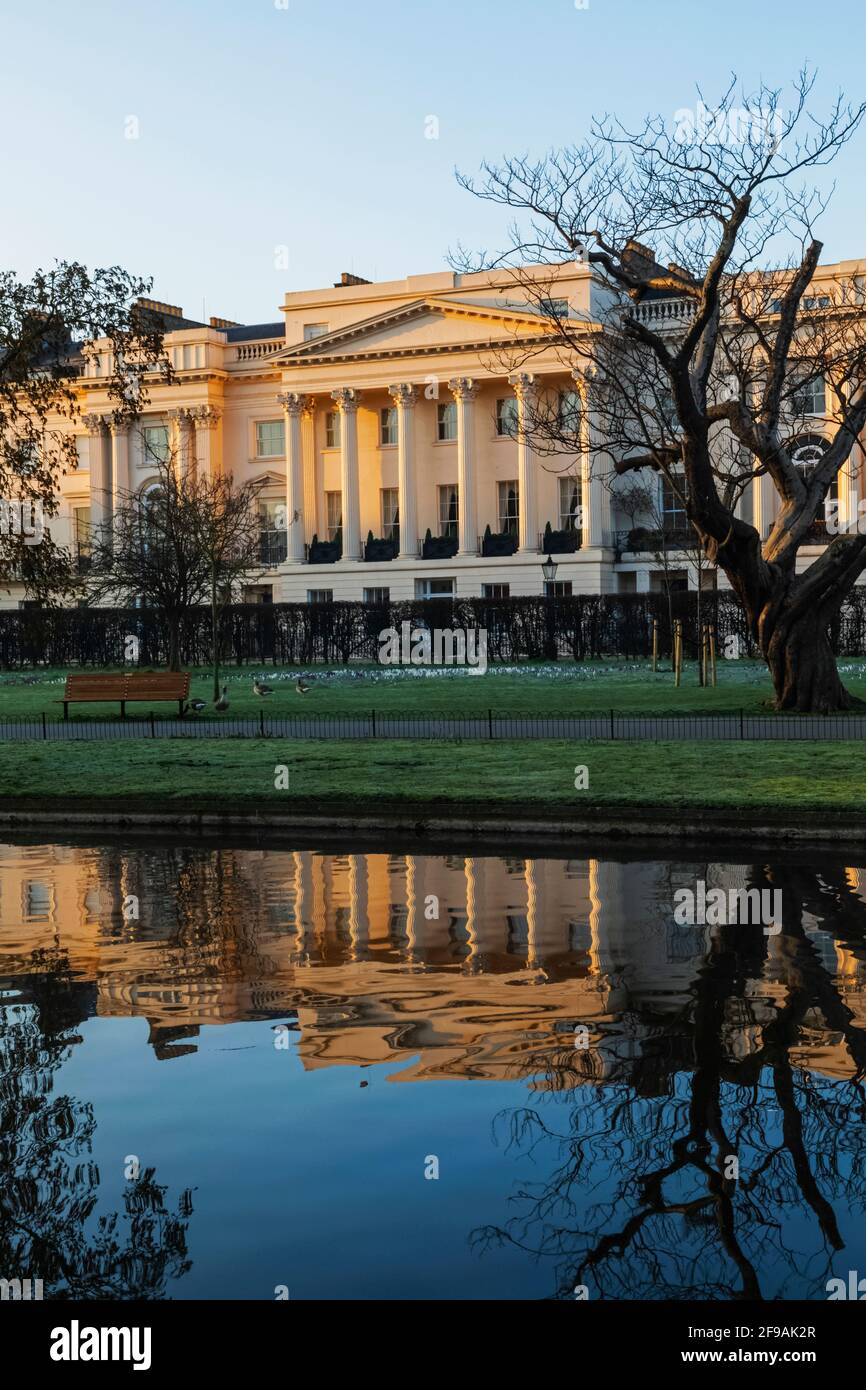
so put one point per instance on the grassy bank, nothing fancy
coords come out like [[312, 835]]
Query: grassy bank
[[240, 774], [630, 687]]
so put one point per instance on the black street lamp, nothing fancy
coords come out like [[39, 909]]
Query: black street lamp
[[548, 569]]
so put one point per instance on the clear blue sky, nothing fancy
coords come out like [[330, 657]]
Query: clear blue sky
[[304, 126]]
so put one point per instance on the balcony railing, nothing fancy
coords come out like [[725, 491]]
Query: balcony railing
[[254, 352], [664, 313]]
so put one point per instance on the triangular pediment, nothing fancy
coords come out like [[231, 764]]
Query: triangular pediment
[[421, 327]]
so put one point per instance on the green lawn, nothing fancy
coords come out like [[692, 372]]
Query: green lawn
[[571, 687], [240, 774]]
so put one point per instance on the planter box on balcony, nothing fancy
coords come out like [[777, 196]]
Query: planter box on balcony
[[325, 552], [438, 547], [560, 542], [641, 539], [498, 543], [378, 548]]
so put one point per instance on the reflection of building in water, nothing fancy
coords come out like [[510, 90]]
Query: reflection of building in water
[[469, 965]]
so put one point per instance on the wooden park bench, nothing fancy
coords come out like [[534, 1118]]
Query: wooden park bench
[[126, 688]]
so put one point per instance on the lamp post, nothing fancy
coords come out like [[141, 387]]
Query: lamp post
[[548, 569]]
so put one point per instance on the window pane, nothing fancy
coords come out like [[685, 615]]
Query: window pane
[[334, 503], [569, 412], [37, 901], [270, 441], [570, 491], [673, 511], [434, 588], [332, 430], [506, 416], [448, 510], [509, 506], [810, 397], [155, 444], [388, 419], [447, 421], [390, 513]]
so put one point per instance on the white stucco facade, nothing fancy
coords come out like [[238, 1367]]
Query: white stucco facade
[[390, 410]]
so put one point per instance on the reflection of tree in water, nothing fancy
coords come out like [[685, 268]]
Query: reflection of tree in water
[[206, 905], [49, 1225], [638, 1201]]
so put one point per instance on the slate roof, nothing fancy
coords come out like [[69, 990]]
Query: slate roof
[[248, 332]]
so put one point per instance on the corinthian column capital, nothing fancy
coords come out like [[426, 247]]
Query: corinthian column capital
[[523, 384], [402, 393], [293, 402], [584, 376], [95, 424], [463, 388], [346, 399], [206, 416]]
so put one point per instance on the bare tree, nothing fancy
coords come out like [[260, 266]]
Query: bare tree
[[729, 1080], [701, 243], [51, 1218], [227, 533], [188, 540]]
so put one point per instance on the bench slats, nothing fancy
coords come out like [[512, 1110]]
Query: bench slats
[[136, 685]]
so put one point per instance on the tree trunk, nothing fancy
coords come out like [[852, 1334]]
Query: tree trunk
[[173, 644], [802, 665], [699, 629]]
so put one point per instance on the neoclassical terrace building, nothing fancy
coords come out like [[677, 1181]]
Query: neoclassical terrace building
[[383, 420]]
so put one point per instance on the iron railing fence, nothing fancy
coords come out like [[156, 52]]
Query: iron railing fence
[[489, 725]]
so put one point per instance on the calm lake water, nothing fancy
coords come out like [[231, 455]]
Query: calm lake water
[[240, 1072]]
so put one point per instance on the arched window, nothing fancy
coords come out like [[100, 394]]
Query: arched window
[[807, 451], [150, 499]]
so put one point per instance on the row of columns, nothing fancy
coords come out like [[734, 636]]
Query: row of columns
[[546, 930], [300, 486], [193, 441]]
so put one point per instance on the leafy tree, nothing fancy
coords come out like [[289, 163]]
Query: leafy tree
[[49, 326]]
